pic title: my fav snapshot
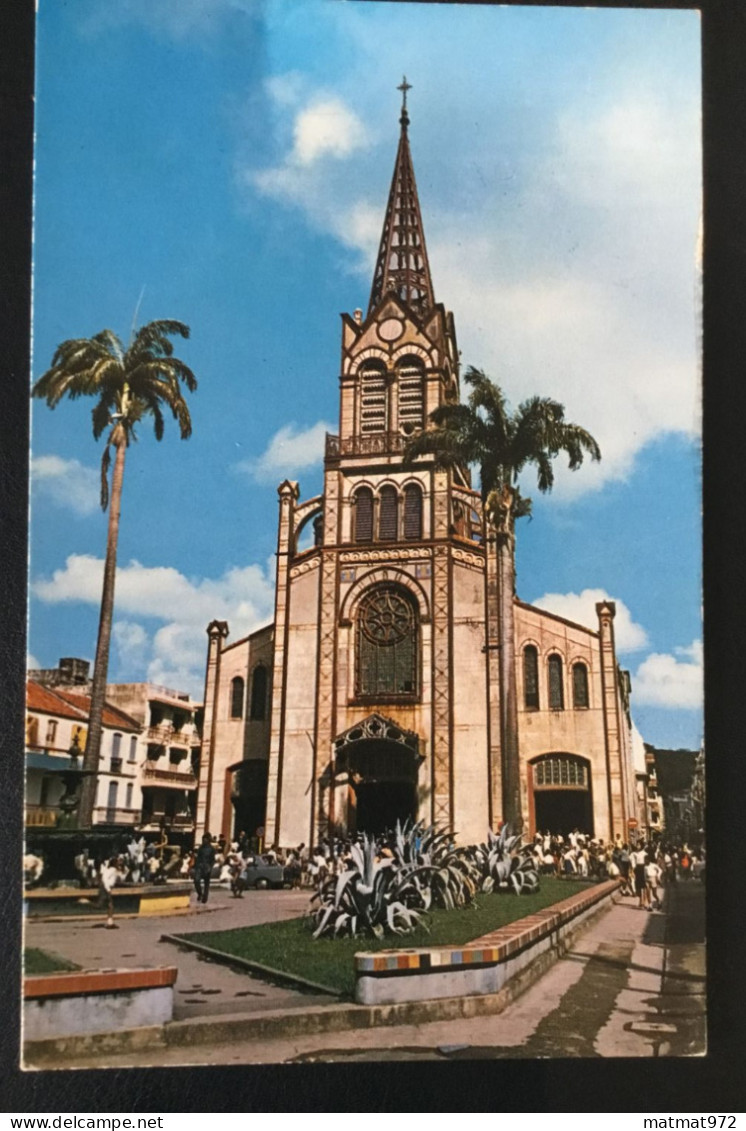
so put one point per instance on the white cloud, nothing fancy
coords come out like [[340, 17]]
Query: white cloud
[[66, 482], [327, 126], [638, 749], [185, 606], [131, 641], [288, 452], [581, 608], [675, 681], [32, 664]]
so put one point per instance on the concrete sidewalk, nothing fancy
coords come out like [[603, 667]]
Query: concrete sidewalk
[[203, 989], [633, 984]]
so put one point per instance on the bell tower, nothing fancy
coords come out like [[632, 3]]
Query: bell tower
[[373, 717]]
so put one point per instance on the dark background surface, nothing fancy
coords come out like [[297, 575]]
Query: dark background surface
[[711, 1084]]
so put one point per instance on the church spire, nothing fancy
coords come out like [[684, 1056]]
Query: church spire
[[402, 264]]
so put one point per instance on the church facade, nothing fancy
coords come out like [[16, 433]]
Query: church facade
[[375, 694]]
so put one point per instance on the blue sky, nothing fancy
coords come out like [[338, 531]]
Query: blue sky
[[227, 162]]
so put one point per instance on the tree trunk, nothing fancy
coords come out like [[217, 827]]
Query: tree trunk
[[101, 667], [511, 767]]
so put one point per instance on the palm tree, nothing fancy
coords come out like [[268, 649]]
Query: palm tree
[[502, 444], [129, 384]]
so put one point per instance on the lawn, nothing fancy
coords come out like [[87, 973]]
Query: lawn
[[289, 946], [37, 961]]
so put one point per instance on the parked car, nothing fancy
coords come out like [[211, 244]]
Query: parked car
[[262, 872]]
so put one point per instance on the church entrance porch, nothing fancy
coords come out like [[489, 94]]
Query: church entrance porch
[[381, 762], [560, 795]]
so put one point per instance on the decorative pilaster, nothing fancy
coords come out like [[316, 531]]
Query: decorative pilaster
[[492, 646], [217, 631], [606, 611], [288, 493], [442, 683]]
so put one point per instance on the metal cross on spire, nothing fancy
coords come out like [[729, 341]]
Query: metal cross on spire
[[404, 86]]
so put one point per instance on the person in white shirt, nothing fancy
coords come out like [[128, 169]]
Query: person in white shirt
[[652, 880], [639, 859], [109, 875]]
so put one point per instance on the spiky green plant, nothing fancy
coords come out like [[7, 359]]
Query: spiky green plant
[[505, 864]]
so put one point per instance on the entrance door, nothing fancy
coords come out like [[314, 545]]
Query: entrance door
[[383, 776], [562, 810], [381, 804], [561, 794]]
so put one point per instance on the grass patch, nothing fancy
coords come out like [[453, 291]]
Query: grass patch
[[37, 961], [289, 946]]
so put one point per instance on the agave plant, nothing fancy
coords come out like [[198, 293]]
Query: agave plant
[[371, 896], [506, 865]]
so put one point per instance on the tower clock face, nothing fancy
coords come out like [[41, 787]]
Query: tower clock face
[[390, 329]]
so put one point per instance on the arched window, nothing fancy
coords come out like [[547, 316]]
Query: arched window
[[133, 748], [387, 643], [556, 694], [579, 685], [411, 395], [412, 512], [531, 677], [373, 399], [237, 688], [388, 513], [258, 708], [116, 746], [363, 515], [128, 796]]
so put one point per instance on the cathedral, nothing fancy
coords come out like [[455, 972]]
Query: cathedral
[[375, 693]]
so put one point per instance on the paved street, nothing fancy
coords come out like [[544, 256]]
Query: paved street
[[632, 985]]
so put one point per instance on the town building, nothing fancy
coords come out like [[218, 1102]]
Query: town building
[[170, 722], [375, 694], [150, 750], [56, 731]]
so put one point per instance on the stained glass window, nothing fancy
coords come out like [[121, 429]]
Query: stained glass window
[[259, 693], [561, 769], [237, 686], [579, 685], [387, 643], [556, 695], [531, 677]]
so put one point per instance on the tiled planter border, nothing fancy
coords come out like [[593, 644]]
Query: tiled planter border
[[482, 966]]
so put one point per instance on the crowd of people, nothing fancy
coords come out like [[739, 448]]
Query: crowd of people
[[643, 869]]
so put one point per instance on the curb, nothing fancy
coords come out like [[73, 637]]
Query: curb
[[247, 964], [280, 1024]]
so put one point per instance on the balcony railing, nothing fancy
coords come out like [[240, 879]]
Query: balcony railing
[[377, 443], [165, 735], [42, 816], [115, 816], [181, 779]]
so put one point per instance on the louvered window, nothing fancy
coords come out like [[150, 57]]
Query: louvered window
[[411, 393], [387, 643], [531, 677], [373, 401], [556, 696], [579, 685], [364, 515], [388, 514], [412, 512]]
